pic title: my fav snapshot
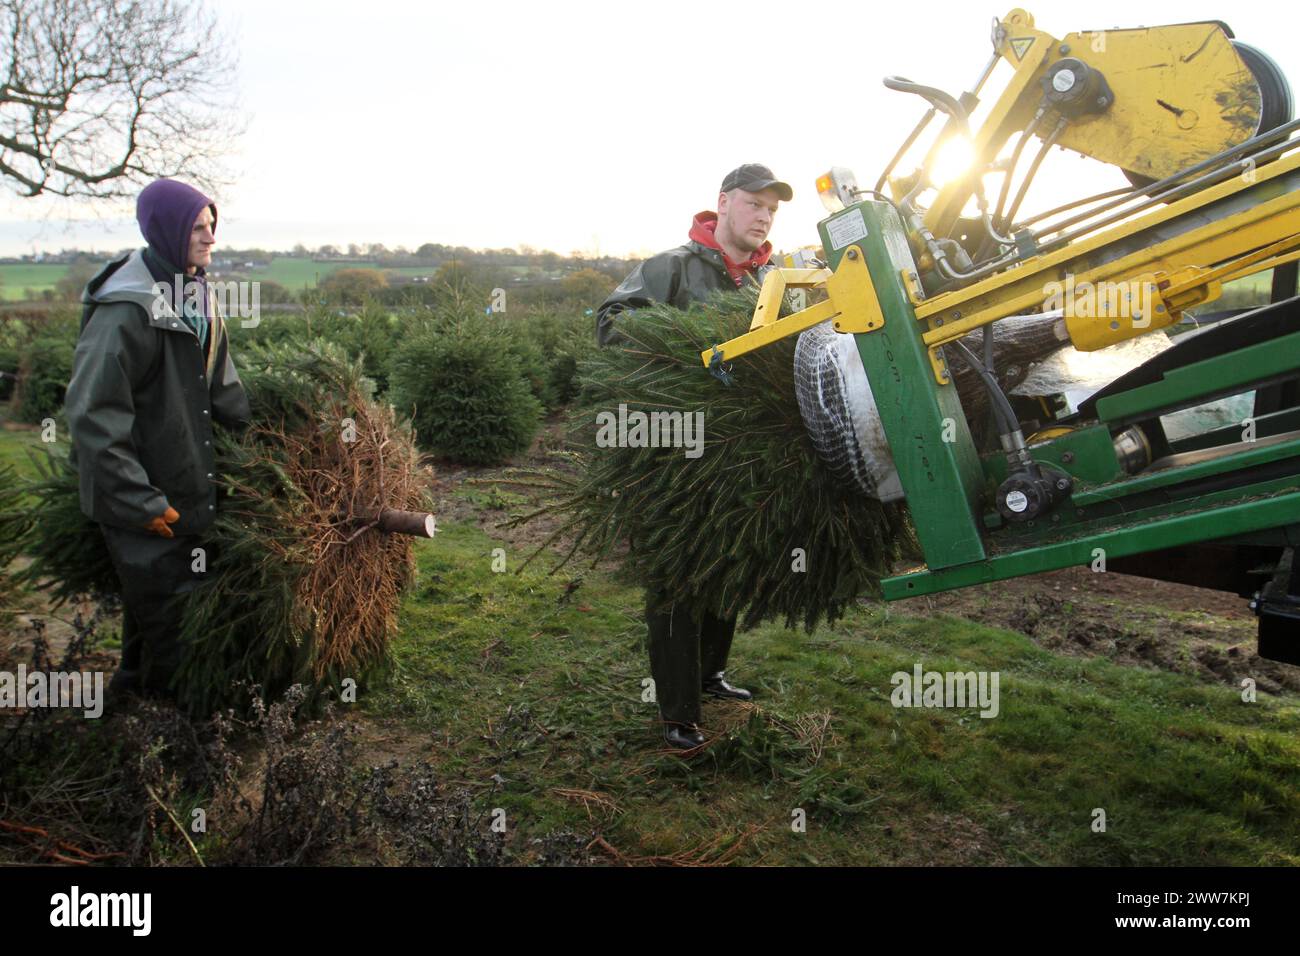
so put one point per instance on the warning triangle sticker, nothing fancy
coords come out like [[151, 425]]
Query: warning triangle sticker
[[1020, 46]]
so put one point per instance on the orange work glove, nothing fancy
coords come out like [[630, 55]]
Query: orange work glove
[[159, 525]]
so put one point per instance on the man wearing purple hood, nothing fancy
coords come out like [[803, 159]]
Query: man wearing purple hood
[[152, 371]]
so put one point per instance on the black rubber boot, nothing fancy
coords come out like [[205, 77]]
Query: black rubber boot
[[716, 635], [683, 737], [716, 685]]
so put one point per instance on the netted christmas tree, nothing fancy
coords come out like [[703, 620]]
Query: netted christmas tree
[[302, 581], [756, 524]]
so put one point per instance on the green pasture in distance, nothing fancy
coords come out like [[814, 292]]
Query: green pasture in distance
[[22, 280], [298, 274], [16, 280]]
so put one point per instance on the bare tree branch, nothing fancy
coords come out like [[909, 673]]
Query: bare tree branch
[[99, 96]]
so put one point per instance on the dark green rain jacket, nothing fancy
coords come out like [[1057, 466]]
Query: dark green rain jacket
[[141, 403], [678, 277]]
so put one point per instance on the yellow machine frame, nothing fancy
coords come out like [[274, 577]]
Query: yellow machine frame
[[1178, 273]]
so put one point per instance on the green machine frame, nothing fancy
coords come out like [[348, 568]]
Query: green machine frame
[[1216, 487]]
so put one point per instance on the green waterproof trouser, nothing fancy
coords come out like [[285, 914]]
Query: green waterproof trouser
[[154, 572], [686, 645]]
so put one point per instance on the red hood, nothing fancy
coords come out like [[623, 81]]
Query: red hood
[[702, 231]]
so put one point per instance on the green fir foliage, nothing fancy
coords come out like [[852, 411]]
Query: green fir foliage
[[466, 393], [754, 524]]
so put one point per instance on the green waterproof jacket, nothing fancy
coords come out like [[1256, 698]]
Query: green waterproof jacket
[[141, 403], [678, 277]]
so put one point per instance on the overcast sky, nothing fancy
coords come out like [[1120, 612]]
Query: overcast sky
[[585, 126]]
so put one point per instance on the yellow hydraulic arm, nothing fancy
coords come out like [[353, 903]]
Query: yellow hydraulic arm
[[1176, 96]]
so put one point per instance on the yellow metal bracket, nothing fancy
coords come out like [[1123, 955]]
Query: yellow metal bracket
[[1185, 288], [1193, 282], [916, 295], [854, 295], [939, 365], [1111, 312], [851, 303], [1167, 294], [772, 294], [912, 283]]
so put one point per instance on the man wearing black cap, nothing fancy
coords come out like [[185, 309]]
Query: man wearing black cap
[[726, 249], [689, 645]]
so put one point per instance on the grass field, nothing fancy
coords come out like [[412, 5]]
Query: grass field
[[18, 445], [532, 693], [15, 441], [14, 450], [18, 282], [299, 274]]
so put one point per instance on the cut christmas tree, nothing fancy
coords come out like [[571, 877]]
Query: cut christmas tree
[[768, 497], [717, 488], [311, 548]]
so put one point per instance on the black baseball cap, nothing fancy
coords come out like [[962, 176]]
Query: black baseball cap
[[754, 178]]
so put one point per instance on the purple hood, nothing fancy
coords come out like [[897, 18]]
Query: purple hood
[[166, 210]]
